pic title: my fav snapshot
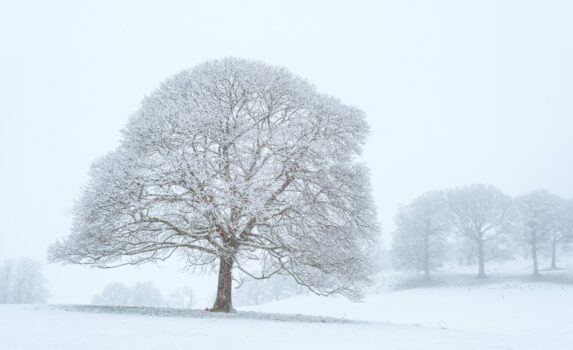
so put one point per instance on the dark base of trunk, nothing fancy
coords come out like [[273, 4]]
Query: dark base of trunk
[[481, 276], [554, 253], [216, 308], [535, 263]]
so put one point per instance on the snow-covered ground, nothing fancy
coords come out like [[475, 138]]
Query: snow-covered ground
[[509, 310], [516, 309], [519, 314], [47, 328]]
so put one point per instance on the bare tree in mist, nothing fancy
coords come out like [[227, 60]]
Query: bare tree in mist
[[255, 292], [113, 294], [22, 282], [562, 232], [478, 212], [533, 221], [419, 237], [229, 163], [182, 298], [140, 294]]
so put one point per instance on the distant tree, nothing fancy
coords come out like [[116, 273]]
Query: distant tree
[[140, 294], [419, 237], [478, 212], [533, 221], [255, 292], [228, 163], [562, 232], [146, 294], [5, 281], [499, 248], [182, 298], [22, 282], [114, 294]]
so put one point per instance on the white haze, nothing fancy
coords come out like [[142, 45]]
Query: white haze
[[456, 92]]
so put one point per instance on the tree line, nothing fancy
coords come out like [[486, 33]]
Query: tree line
[[481, 223], [144, 294]]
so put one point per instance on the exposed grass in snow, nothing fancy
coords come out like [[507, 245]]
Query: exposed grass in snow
[[194, 313], [509, 272], [444, 279]]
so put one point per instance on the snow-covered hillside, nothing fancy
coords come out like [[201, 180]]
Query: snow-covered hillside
[[496, 315], [517, 309]]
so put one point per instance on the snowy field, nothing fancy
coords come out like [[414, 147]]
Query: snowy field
[[513, 313]]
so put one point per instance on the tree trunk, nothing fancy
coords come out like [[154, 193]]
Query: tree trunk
[[554, 252], [481, 263], [534, 256], [223, 302], [427, 257]]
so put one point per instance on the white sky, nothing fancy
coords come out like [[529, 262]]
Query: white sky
[[456, 92]]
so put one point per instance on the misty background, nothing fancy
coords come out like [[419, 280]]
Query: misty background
[[456, 92]]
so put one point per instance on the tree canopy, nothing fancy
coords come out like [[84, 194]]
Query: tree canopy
[[235, 163]]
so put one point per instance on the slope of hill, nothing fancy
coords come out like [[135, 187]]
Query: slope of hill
[[456, 312]]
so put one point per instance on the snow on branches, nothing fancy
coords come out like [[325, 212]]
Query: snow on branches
[[230, 163]]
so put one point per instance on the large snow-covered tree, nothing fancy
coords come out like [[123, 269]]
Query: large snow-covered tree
[[239, 164], [478, 211], [533, 220], [421, 228]]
